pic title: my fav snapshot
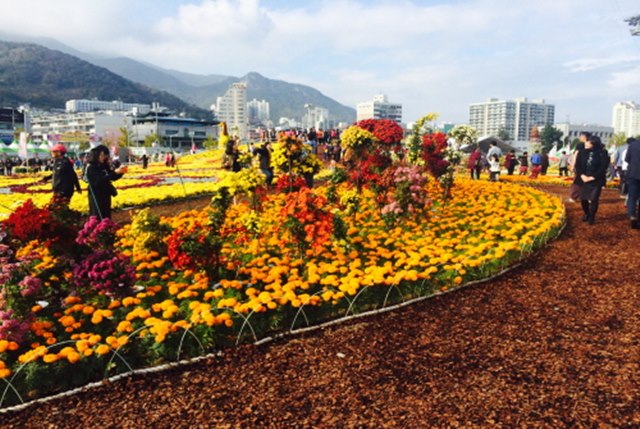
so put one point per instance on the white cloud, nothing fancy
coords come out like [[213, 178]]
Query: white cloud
[[626, 79], [588, 64]]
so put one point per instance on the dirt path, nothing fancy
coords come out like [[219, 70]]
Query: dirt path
[[554, 343]]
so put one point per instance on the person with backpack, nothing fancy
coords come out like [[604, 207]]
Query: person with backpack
[[64, 179], [99, 174]]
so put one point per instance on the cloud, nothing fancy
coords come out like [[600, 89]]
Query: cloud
[[626, 79], [588, 64]]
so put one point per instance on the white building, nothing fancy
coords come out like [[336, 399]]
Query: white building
[[516, 117], [316, 117], [73, 106], [81, 126], [570, 132], [232, 109], [379, 108], [626, 118], [258, 112]]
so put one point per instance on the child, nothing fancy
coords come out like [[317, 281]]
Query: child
[[494, 168]]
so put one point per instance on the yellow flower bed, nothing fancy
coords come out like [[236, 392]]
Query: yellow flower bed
[[268, 284]]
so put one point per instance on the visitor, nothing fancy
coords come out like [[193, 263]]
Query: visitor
[[620, 166], [574, 190], [99, 175], [64, 179], [494, 168], [264, 156], [536, 161], [510, 161], [591, 172], [235, 154], [145, 161], [524, 163], [563, 164], [475, 163], [544, 163], [493, 150], [632, 157]]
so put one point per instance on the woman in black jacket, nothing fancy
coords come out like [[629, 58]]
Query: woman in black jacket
[[591, 175], [99, 174]]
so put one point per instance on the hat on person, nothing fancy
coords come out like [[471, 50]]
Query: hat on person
[[58, 148]]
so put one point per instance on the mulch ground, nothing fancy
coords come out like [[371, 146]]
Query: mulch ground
[[553, 343]]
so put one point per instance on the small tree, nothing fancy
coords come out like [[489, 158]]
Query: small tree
[[124, 139], [210, 143], [618, 139], [549, 136], [151, 139]]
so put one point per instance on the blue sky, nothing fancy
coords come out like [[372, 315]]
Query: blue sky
[[428, 55]]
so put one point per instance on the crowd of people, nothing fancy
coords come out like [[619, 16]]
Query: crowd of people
[[590, 163]]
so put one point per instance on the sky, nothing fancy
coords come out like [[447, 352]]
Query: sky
[[428, 55]]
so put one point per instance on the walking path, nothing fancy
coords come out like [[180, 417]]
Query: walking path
[[553, 343]]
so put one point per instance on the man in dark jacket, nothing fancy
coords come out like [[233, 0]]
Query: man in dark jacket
[[632, 157], [63, 179], [264, 152]]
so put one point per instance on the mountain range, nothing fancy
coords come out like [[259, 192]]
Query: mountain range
[[46, 73]]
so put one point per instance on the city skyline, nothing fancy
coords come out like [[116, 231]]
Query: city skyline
[[426, 55]]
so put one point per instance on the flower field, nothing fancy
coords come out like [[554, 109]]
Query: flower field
[[195, 175], [173, 289], [87, 299]]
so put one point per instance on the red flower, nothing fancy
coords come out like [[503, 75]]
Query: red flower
[[387, 131], [433, 152]]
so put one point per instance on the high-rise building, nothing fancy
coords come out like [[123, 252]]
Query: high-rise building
[[316, 117], [232, 109], [379, 108], [515, 117], [626, 118], [258, 112]]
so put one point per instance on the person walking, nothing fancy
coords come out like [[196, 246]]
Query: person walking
[[510, 161], [475, 163], [591, 174], [64, 179], [494, 150], [620, 165], [99, 175], [544, 163], [536, 162], [632, 158], [563, 164], [264, 157], [524, 163]]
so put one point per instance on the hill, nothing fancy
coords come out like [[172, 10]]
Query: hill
[[285, 99], [47, 78]]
